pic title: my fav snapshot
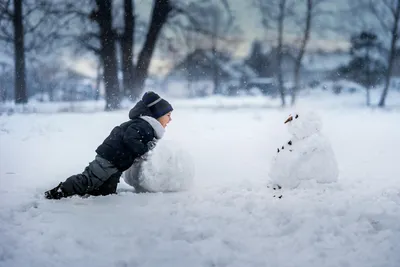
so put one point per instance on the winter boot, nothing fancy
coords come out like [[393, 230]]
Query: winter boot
[[55, 193]]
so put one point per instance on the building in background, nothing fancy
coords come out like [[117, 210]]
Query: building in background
[[194, 76]]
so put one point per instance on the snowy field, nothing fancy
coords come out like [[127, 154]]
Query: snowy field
[[229, 217]]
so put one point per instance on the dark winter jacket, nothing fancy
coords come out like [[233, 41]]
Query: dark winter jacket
[[131, 139]]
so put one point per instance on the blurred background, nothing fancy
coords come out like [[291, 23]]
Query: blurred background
[[108, 52]]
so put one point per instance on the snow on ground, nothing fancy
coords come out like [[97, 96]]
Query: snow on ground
[[229, 217]]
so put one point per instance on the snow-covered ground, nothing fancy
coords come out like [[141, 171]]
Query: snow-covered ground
[[229, 217]]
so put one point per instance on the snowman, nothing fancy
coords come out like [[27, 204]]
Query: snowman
[[306, 156], [166, 168]]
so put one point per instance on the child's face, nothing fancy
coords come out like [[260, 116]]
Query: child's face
[[164, 120]]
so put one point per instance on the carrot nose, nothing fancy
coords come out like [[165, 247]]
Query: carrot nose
[[289, 119]]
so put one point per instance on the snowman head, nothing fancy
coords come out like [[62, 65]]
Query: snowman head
[[303, 125]]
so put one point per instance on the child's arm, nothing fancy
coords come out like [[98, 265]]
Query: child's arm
[[133, 138]]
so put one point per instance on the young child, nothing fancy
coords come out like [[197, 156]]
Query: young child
[[126, 143]]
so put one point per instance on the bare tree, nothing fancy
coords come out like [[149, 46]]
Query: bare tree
[[281, 18], [127, 43], [15, 17], [303, 44], [387, 12], [274, 13], [314, 9], [102, 39], [76, 30], [99, 38], [99, 75], [103, 17], [216, 25], [161, 11], [19, 54], [222, 25], [26, 26]]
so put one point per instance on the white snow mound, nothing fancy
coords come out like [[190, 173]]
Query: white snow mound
[[166, 168]]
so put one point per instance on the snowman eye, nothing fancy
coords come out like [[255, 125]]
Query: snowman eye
[[296, 116]]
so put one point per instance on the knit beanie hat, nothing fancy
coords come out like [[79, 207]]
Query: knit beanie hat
[[157, 105]]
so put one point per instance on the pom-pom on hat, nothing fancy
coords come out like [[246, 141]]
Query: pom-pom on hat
[[157, 105]]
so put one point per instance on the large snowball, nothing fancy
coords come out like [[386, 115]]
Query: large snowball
[[167, 168]]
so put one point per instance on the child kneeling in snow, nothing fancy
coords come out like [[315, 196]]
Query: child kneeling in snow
[[125, 144]]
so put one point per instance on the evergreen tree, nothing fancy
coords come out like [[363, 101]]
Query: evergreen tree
[[367, 65]]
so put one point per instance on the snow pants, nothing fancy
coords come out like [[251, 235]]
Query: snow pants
[[100, 177]]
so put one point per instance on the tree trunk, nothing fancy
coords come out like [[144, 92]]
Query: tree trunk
[[280, 48], [216, 72], [21, 96], [368, 96], [127, 48], [98, 80], [395, 36], [368, 82], [189, 42], [161, 10], [216, 69], [51, 92], [108, 56], [302, 50]]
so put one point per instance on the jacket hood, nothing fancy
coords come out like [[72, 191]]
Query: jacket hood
[[156, 125], [140, 109]]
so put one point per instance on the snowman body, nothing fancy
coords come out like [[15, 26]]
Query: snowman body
[[307, 156]]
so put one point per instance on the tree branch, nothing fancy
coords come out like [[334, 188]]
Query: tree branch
[[6, 39], [195, 27], [83, 41], [199, 27], [5, 11], [28, 12], [32, 28], [390, 7], [378, 16], [67, 10], [6, 35]]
